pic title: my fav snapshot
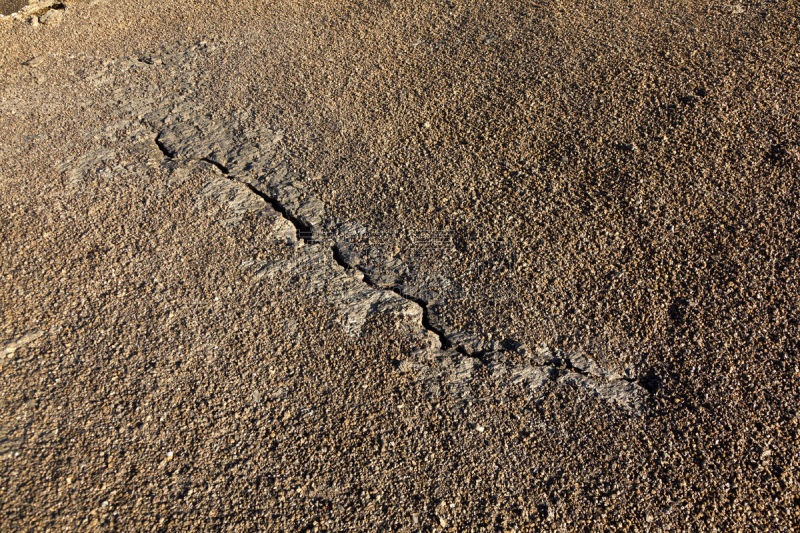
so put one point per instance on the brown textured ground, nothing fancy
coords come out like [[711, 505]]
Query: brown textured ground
[[10, 6], [618, 177]]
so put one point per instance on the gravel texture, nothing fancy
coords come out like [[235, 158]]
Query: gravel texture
[[399, 265]]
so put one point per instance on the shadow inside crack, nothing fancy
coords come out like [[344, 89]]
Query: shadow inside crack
[[452, 357]]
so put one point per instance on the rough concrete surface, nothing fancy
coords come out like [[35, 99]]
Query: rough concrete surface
[[399, 265]]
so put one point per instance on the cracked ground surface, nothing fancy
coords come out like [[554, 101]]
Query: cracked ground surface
[[399, 265]]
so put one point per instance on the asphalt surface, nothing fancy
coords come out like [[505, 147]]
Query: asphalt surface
[[532, 266]]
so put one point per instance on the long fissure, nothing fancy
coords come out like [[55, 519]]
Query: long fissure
[[305, 233]]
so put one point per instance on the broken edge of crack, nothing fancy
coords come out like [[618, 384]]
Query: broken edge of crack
[[350, 288]]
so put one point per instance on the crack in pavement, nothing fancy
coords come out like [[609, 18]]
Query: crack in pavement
[[426, 321], [331, 254], [457, 359]]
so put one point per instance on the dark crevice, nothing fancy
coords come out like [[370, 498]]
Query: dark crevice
[[649, 382], [222, 168], [164, 150], [302, 229], [426, 321], [568, 366], [305, 233]]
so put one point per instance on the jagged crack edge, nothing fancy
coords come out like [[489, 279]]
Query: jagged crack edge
[[302, 230], [426, 322], [304, 233], [169, 154]]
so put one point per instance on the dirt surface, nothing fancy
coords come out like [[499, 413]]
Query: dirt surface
[[400, 265], [9, 6]]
